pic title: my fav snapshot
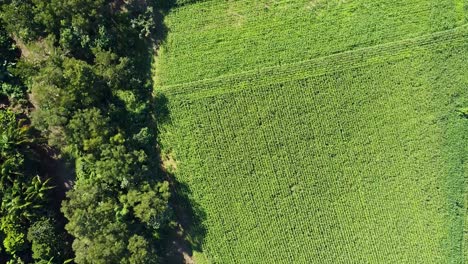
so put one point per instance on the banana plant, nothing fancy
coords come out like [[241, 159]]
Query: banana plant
[[23, 199], [13, 134]]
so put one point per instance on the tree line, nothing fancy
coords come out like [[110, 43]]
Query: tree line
[[85, 67]]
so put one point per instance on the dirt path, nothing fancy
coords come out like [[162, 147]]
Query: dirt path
[[178, 249]]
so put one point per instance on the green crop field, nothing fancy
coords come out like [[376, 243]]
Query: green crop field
[[320, 131]]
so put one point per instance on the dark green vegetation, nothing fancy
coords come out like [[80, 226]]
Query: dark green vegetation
[[10, 85], [321, 131], [86, 65], [26, 217], [30, 225]]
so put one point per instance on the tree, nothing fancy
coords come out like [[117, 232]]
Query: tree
[[99, 236], [149, 204], [141, 251], [86, 131], [62, 88], [14, 240], [47, 242], [18, 18]]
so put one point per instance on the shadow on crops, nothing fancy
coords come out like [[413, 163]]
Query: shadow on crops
[[190, 215], [161, 109], [188, 232]]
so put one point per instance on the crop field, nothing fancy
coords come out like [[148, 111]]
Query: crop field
[[320, 131], [213, 38]]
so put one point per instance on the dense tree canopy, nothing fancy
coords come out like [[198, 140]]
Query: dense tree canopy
[[85, 64]]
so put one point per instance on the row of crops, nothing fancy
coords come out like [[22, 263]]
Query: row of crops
[[234, 36], [320, 131]]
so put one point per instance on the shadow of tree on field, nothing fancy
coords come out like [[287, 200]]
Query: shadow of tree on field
[[191, 215], [187, 233], [160, 102]]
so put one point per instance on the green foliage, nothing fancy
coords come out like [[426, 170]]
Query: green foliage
[[8, 51], [23, 198], [14, 240], [91, 213], [90, 87], [87, 131], [230, 37], [81, 16], [13, 138], [46, 242], [145, 23], [149, 204], [62, 87], [86, 64], [16, 260], [463, 112], [80, 25], [104, 232], [141, 251], [18, 18], [14, 92], [23, 194], [81, 83], [114, 70], [10, 85]]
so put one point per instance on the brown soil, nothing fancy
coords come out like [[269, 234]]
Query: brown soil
[[168, 163]]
